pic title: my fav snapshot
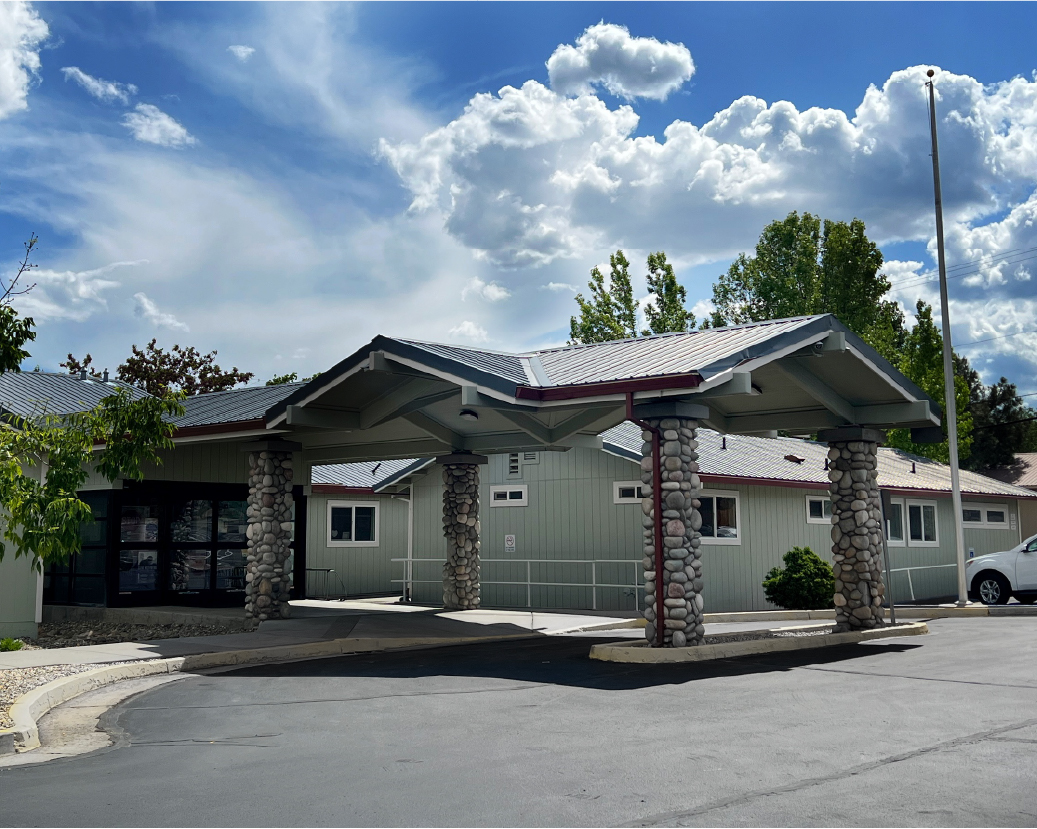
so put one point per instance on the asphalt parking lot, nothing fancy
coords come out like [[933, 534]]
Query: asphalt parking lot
[[929, 731]]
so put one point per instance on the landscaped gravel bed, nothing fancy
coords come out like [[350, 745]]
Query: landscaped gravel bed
[[70, 634], [752, 635], [16, 681]]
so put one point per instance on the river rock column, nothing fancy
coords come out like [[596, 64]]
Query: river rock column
[[268, 579], [682, 565], [856, 527], [461, 527]]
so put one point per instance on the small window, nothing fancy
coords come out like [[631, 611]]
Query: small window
[[819, 510], [994, 516], [627, 492], [352, 524], [720, 513], [509, 495], [972, 516], [921, 524], [895, 524]]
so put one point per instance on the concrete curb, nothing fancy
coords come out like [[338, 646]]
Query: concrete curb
[[33, 704], [639, 652], [905, 612]]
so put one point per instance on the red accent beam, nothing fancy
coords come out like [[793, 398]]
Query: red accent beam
[[340, 489], [671, 381]]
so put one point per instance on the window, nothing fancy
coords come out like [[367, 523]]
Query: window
[[352, 524], [921, 524], [720, 518], [895, 524], [819, 510], [509, 496], [993, 516], [627, 492]]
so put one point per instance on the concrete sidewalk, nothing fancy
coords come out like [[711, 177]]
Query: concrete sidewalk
[[316, 621]]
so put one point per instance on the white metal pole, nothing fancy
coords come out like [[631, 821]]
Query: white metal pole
[[948, 365]]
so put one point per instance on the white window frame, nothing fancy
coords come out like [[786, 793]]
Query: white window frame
[[985, 523], [510, 502], [902, 541], [824, 519], [720, 493], [618, 485], [338, 542], [911, 502]]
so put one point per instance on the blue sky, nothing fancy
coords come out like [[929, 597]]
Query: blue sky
[[453, 171]]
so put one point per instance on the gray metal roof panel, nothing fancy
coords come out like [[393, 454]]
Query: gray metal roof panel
[[368, 475], [508, 366], [764, 458], [36, 393], [233, 405]]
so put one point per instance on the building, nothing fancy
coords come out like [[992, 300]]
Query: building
[[1021, 472]]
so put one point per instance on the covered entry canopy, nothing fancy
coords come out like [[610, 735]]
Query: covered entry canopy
[[401, 398]]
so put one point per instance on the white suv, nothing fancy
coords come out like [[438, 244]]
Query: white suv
[[994, 578]]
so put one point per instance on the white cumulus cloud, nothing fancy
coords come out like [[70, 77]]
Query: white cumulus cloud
[[150, 124], [242, 53], [68, 295], [107, 91], [560, 287], [487, 290], [629, 67], [469, 330], [21, 33], [148, 310]]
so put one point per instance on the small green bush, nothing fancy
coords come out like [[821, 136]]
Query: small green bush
[[9, 644], [805, 583]]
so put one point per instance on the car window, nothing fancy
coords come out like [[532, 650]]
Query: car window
[[1032, 546]]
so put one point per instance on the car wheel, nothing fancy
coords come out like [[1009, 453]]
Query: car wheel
[[1027, 599], [993, 588]]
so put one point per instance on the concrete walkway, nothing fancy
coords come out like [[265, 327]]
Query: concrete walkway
[[315, 621]]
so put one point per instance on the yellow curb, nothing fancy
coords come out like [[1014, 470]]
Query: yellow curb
[[639, 652], [33, 704]]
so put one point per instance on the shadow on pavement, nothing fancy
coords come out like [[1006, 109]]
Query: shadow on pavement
[[559, 661]]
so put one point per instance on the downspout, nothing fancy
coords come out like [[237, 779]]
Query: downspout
[[657, 506]]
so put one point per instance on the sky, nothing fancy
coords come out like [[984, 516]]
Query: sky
[[282, 182]]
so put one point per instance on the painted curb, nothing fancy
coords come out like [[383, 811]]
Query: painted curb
[[24, 735], [640, 652]]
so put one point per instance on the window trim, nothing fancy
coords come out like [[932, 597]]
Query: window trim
[[723, 493], [913, 502], [984, 508], [339, 504], [823, 519], [618, 499], [902, 541], [510, 502]]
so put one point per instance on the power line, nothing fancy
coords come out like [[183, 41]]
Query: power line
[[1000, 337], [1005, 254], [931, 275]]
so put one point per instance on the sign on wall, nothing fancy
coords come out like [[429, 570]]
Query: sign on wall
[[509, 543]]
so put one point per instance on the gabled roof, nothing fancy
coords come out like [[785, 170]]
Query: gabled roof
[[232, 406], [1021, 472], [374, 475], [767, 460], [30, 394]]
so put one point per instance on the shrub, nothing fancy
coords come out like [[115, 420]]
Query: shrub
[[9, 644], [805, 583]]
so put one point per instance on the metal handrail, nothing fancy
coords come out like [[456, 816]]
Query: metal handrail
[[637, 584]]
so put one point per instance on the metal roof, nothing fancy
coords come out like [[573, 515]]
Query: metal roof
[[707, 352], [233, 405], [1021, 472], [507, 366], [367, 475], [31, 394], [765, 458]]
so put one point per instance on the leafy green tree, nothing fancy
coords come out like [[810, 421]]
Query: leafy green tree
[[668, 312], [611, 311], [1002, 422], [292, 377], [921, 360], [804, 266], [44, 459], [185, 370], [804, 583]]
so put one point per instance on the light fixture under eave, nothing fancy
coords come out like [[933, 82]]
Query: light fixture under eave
[[468, 414]]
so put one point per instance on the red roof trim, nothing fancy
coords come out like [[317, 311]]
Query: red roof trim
[[929, 493], [340, 489], [219, 428], [672, 381]]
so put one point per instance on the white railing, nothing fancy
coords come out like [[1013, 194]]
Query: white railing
[[910, 584], [636, 585]]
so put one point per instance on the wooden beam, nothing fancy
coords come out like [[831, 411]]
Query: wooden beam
[[436, 429], [322, 418], [807, 421], [472, 398], [817, 388], [578, 422], [411, 395], [528, 424]]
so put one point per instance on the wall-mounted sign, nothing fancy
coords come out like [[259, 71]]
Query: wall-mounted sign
[[509, 543]]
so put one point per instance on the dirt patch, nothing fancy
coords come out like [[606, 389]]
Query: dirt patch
[[70, 634]]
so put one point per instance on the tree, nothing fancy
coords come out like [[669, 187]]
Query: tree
[[804, 583], [667, 313], [184, 370], [805, 266], [1002, 424], [41, 513], [611, 312], [921, 361], [292, 377]]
